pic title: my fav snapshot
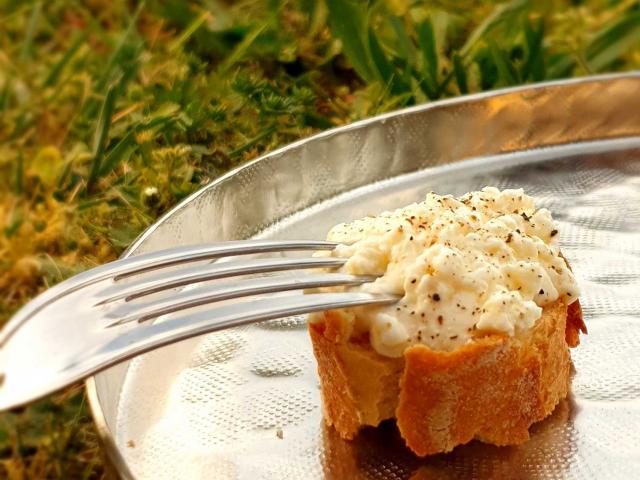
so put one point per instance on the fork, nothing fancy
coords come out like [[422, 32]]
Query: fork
[[119, 310]]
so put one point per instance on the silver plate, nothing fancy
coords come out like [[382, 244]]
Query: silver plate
[[245, 403]]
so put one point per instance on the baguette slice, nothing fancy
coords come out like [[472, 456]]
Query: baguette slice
[[493, 389]]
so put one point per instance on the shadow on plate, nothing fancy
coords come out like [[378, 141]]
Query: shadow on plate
[[380, 453]]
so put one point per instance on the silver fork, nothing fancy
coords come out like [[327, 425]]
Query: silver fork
[[101, 317]]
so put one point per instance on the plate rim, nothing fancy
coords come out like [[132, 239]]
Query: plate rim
[[115, 461]]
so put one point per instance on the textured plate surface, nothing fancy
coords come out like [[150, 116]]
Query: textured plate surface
[[245, 403]]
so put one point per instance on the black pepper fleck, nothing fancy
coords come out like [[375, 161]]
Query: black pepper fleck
[[436, 297]]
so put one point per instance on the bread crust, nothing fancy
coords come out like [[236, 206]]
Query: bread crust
[[493, 389]]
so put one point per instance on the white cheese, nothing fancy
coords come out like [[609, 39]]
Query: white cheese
[[485, 262]]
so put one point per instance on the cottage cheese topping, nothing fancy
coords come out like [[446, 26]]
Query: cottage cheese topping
[[485, 262]]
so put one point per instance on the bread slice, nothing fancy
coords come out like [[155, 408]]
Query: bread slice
[[493, 389]]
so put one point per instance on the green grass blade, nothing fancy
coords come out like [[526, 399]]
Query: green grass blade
[[427, 44], [101, 134], [58, 67], [241, 49], [15, 221], [5, 94], [189, 31], [27, 44], [64, 174], [507, 73], [112, 65], [460, 74], [348, 22], [405, 46], [403, 55], [613, 41], [427, 89], [385, 71], [534, 66], [127, 144], [501, 14], [559, 65], [118, 153], [267, 132], [318, 14], [18, 181]]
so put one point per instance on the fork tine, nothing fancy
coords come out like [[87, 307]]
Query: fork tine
[[149, 336], [152, 261], [28, 375], [213, 271], [166, 258], [131, 312]]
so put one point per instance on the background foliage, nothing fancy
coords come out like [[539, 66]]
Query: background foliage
[[113, 111]]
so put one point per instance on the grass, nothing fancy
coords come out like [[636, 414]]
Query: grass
[[113, 111]]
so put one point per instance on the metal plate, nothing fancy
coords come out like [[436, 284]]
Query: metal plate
[[245, 403]]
